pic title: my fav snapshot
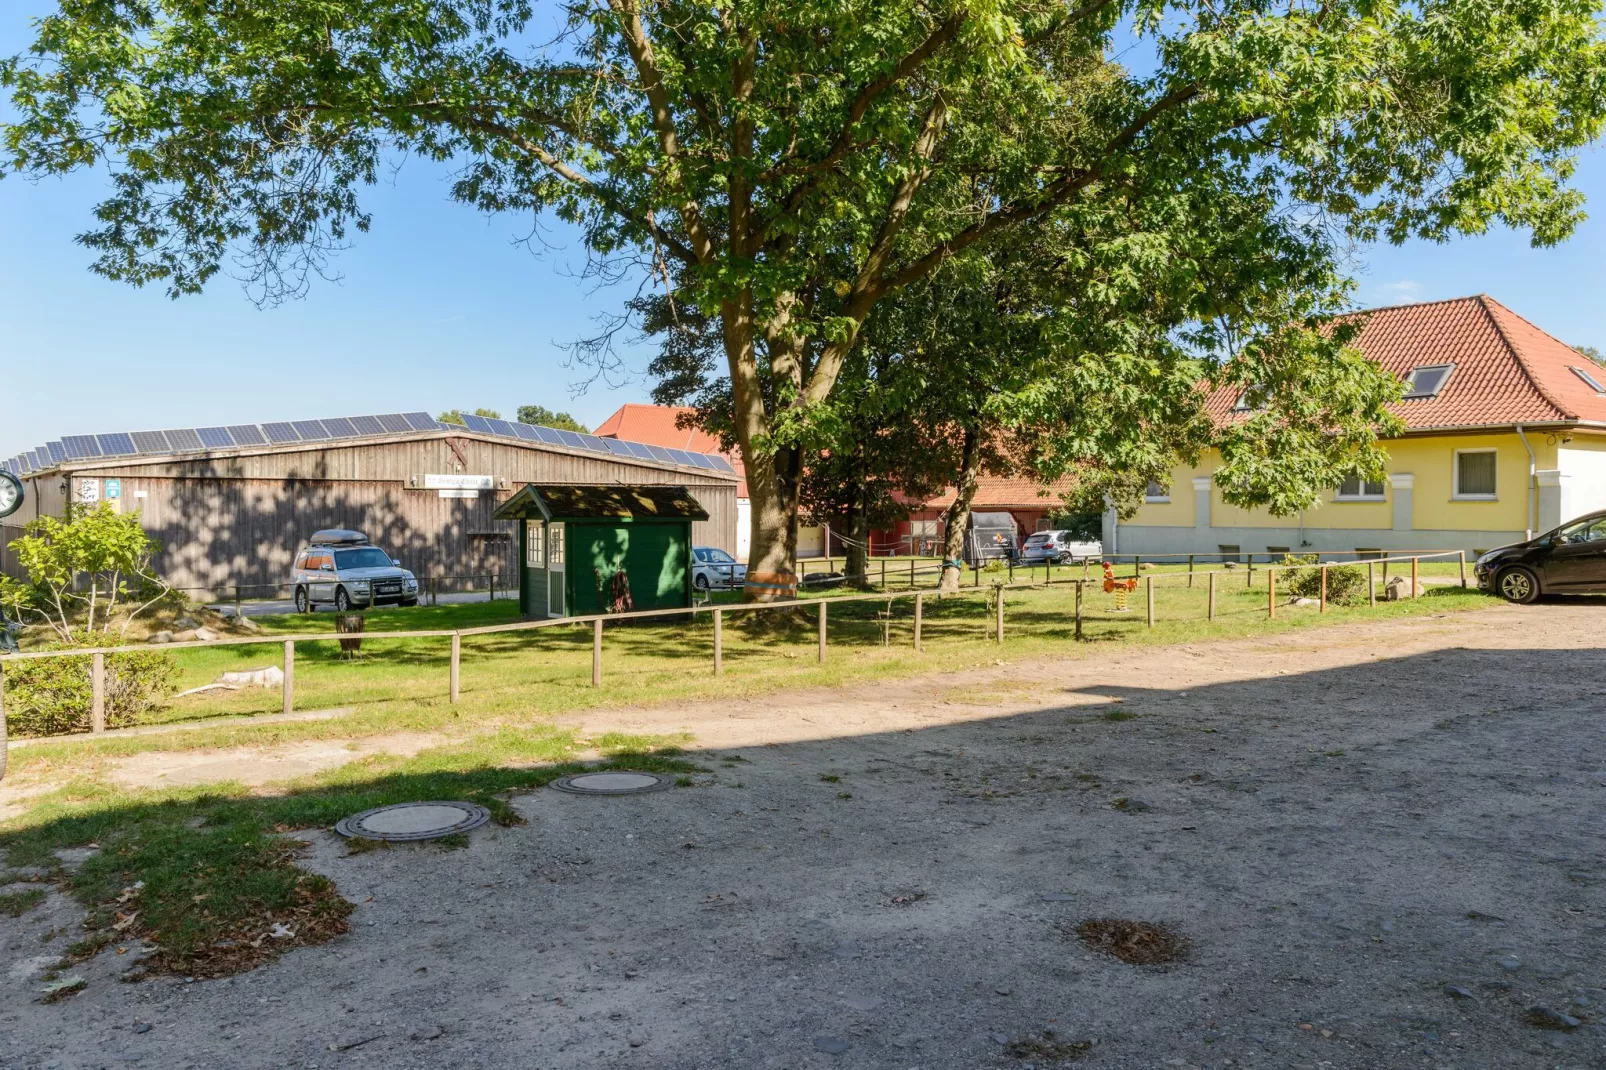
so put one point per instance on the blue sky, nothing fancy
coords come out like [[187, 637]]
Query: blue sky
[[440, 307]]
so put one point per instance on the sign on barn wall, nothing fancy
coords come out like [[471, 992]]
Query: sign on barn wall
[[86, 491], [452, 482], [457, 492]]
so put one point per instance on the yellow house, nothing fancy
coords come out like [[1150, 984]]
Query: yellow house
[[1506, 438]]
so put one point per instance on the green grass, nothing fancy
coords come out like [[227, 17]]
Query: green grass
[[16, 904]]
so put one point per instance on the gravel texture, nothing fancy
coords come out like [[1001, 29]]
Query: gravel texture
[[1384, 849]]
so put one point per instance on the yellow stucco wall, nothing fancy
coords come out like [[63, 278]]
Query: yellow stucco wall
[[1429, 458]]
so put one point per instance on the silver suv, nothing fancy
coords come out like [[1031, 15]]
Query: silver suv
[[340, 568]]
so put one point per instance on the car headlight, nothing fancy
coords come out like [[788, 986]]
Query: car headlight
[[1487, 558], [359, 583]]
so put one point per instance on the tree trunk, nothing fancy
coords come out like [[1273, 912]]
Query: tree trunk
[[858, 564], [958, 516], [772, 557]]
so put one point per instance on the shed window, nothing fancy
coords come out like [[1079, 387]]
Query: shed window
[[1594, 384], [555, 546], [1359, 490], [534, 545], [1428, 380], [1475, 474], [1157, 492], [1372, 553]]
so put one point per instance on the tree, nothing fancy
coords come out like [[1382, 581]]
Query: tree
[[1593, 354], [455, 416], [795, 164], [542, 416]]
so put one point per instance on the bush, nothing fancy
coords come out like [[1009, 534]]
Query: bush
[[1346, 584], [53, 696]]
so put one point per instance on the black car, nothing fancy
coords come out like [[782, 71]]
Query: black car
[[1569, 560]]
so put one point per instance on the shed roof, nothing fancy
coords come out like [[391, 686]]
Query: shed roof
[[539, 501]]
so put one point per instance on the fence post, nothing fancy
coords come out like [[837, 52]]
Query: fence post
[[1079, 584], [1012, 570], [920, 606], [975, 575], [596, 652], [883, 573], [1414, 590], [1463, 554], [719, 641], [1249, 570], [1371, 585], [1148, 583], [289, 675], [1137, 565], [999, 630], [1271, 594], [1190, 571], [911, 573], [822, 631], [236, 601], [97, 693], [1323, 608], [490, 579], [434, 590], [457, 661], [1210, 613]]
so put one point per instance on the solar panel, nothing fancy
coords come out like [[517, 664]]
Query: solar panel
[[41, 458], [184, 438], [501, 427], [58, 452], [247, 435], [80, 446], [117, 444], [310, 430], [280, 433], [31, 459], [568, 438], [421, 421], [367, 425], [592, 443], [527, 432], [720, 463], [339, 427], [24, 463], [476, 423], [616, 447], [638, 450], [660, 454], [702, 462], [394, 423], [549, 435], [682, 457], [215, 438], [150, 442]]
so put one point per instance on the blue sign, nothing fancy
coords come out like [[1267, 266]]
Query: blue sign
[[114, 489]]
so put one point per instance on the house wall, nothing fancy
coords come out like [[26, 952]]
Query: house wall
[[1417, 511], [1581, 471]]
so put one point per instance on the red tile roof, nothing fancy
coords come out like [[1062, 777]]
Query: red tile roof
[[1507, 371], [993, 492], [655, 425]]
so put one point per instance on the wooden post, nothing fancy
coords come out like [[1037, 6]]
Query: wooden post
[[1463, 554], [975, 575], [596, 652], [911, 573], [1190, 571], [822, 631], [1079, 585], [97, 693], [998, 631], [237, 596], [1011, 570], [434, 590], [490, 578], [1249, 570], [1371, 585], [1271, 593], [1413, 578], [1210, 613], [289, 675], [719, 641], [457, 661], [1323, 608], [1149, 584], [1137, 565], [920, 606], [883, 573]]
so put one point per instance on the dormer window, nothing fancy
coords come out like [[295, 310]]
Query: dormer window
[[1428, 380], [1243, 404], [1594, 384]]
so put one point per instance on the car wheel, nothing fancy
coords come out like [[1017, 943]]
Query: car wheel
[[303, 603], [700, 582], [1066, 559], [342, 600], [1518, 585]]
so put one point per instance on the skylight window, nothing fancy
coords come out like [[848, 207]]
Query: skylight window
[[1594, 384], [1428, 380]]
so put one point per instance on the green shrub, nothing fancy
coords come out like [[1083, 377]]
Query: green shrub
[[53, 696], [1346, 584]]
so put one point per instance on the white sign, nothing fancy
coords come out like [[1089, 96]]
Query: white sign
[[86, 491], [458, 493], [458, 483]]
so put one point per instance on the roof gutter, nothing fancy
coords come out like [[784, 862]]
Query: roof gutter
[[1533, 469]]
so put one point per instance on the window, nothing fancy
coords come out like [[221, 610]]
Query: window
[[1588, 531], [1475, 474], [367, 557], [1428, 380], [716, 556], [1157, 492], [1230, 553], [1594, 384], [1043, 523], [534, 545], [1243, 404], [1367, 553], [1280, 550], [1356, 490], [923, 529], [554, 552]]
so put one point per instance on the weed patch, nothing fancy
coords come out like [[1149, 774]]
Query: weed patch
[[1136, 943]]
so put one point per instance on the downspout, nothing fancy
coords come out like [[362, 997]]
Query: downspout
[[1533, 469]]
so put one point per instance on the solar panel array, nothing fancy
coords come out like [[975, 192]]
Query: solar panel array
[[191, 439]]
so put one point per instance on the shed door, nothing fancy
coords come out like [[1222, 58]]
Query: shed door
[[555, 568], [656, 559]]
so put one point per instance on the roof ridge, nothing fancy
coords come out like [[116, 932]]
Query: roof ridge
[[1410, 304], [1484, 301]]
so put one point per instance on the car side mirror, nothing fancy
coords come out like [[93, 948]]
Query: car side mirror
[[396, 561]]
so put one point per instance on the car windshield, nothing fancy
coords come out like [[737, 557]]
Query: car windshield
[[718, 557], [367, 557]]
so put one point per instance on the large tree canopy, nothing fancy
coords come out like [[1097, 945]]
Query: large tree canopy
[[796, 161]]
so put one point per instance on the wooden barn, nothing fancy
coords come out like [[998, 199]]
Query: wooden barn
[[231, 505]]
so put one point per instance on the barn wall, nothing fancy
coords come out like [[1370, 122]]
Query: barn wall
[[226, 520]]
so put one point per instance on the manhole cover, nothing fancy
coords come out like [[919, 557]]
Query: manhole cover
[[611, 783], [414, 821]]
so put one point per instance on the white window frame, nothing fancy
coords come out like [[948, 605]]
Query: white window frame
[[1455, 476], [1162, 498], [1588, 377], [1381, 496], [1449, 372], [534, 544]]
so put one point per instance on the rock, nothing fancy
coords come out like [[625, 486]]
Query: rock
[[186, 623], [246, 624], [207, 635], [184, 636], [1400, 587], [1457, 992], [831, 1045], [425, 1032], [998, 1038], [1509, 963], [1131, 806], [142, 1027], [161, 637], [1305, 602], [272, 676], [1542, 1017]]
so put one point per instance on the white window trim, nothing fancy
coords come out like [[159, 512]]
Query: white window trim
[[1455, 477], [1449, 372], [1340, 496], [1166, 500]]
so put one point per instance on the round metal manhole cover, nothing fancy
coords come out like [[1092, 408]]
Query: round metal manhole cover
[[621, 782], [413, 821]]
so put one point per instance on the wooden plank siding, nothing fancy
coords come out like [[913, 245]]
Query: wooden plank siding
[[238, 517]]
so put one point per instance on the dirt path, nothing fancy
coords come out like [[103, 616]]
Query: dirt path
[[1385, 846]]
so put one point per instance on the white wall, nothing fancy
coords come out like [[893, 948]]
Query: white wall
[[1583, 481], [744, 528]]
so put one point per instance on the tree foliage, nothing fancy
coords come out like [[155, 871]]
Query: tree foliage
[[541, 416], [455, 416]]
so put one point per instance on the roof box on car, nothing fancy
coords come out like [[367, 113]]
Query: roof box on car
[[339, 537]]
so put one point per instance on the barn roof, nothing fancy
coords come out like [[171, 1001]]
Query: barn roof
[[537, 501]]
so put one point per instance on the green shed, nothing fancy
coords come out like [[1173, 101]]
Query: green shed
[[602, 549]]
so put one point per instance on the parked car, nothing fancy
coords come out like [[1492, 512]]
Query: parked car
[[1060, 547], [342, 569], [712, 569], [1569, 560]]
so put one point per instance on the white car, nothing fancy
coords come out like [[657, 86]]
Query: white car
[[1060, 547], [712, 569]]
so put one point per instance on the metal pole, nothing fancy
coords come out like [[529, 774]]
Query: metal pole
[[97, 693], [1323, 608], [719, 641], [289, 675], [1210, 614], [1371, 585], [1463, 554], [457, 661], [1149, 584], [1136, 565], [1414, 588], [596, 652], [920, 606], [1249, 571], [999, 589], [1079, 610], [822, 631]]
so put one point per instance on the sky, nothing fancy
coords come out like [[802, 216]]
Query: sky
[[441, 307]]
